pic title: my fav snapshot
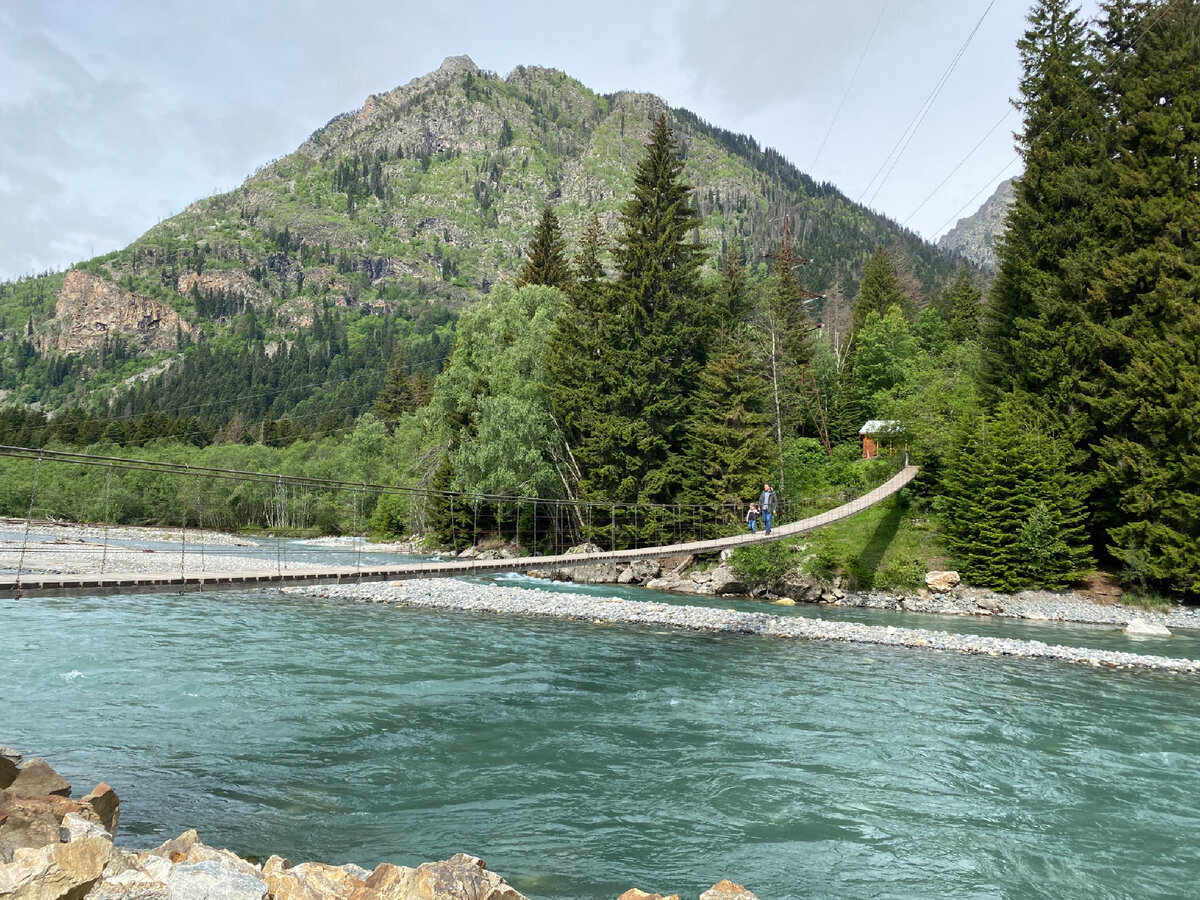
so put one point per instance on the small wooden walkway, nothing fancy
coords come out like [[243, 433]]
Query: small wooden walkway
[[41, 584]]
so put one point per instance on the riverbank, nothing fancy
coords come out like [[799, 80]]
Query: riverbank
[[82, 549], [55, 848], [478, 598]]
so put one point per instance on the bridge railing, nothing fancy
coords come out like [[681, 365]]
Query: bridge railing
[[59, 485]]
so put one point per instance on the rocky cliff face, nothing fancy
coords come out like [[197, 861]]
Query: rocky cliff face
[[975, 237], [90, 309]]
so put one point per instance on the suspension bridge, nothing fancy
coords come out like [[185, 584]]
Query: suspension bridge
[[288, 499]]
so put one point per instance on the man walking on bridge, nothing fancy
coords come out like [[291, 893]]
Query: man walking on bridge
[[767, 505]]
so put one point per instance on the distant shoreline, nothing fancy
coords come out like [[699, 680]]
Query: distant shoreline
[[74, 548]]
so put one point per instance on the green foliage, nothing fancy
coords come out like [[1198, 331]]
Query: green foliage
[[730, 451], [885, 349], [762, 564], [546, 263], [880, 291], [965, 309], [887, 547], [1012, 513], [491, 396]]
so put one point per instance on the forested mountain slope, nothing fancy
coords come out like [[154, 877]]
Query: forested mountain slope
[[376, 231]]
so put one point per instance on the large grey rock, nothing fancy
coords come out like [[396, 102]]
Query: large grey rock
[[132, 884], [1147, 628], [583, 548], [75, 826], [597, 573], [725, 582], [640, 571], [211, 879]]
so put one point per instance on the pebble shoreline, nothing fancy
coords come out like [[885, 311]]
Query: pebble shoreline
[[64, 548], [461, 596]]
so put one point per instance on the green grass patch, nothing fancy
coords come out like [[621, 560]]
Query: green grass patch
[[1147, 600], [888, 546]]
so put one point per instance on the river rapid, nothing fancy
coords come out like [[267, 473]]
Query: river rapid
[[580, 760]]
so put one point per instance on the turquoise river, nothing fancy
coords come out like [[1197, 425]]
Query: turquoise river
[[581, 760]]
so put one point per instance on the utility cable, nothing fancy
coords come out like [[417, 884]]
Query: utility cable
[[849, 85], [910, 132]]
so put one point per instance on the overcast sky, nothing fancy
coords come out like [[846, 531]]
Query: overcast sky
[[115, 115]]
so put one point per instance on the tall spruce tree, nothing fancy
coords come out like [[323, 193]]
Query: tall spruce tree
[[547, 263], [397, 396], [734, 287], [1012, 515], [1147, 305], [577, 358], [1035, 337], [730, 451], [880, 290], [654, 333], [964, 309]]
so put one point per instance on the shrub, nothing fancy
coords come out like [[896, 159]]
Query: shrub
[[760, 564]]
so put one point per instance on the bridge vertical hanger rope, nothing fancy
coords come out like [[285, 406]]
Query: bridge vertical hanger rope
[[107, 516], [280, 500], [200, 521], [28, 520], [183, 534]]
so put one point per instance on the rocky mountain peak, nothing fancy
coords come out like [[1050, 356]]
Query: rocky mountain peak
[[456, 65], [975, 236]]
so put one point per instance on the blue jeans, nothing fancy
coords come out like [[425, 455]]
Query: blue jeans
[[753, 522], [766, 517]]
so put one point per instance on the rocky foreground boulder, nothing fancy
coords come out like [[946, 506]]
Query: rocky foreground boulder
[[56, 848]]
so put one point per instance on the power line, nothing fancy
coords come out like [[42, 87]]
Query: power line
[[911, 131], [849, 85], [1017, 156]]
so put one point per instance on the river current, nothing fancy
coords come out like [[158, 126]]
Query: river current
[[581, 760]]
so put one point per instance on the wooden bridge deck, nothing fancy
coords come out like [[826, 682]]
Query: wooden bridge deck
[[42, 584]]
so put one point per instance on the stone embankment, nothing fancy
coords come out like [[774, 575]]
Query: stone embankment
[[436, 594], [56, 848]]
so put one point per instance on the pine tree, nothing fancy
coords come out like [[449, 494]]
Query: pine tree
[[546, 263], [396, 397], [1147, 304], [730, 450], [577, 352], [734, 289], [653, 335], [880, 290], [1035, 337], [965, 309], [1012, 514]]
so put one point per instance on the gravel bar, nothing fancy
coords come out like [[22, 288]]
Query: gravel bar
[[456, 595]]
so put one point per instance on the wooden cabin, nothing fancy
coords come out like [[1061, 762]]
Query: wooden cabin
[[877, 435]]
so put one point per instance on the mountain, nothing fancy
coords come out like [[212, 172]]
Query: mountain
[[376, 230], [974, 238]]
